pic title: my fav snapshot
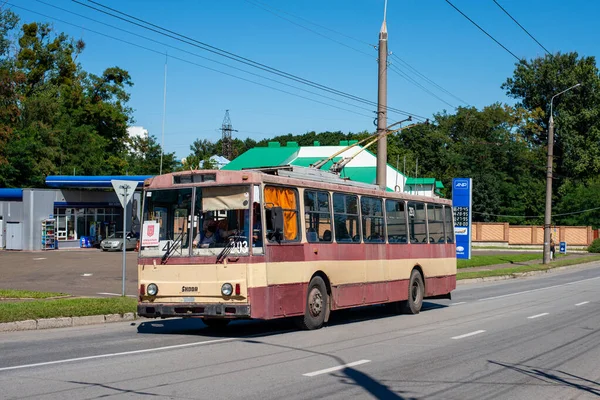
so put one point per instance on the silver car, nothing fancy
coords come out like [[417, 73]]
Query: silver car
[[115, 242]]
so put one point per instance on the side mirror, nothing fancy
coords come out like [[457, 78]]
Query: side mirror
[[277, 223]]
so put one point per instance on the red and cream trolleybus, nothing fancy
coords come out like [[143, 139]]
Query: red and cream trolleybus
[[288, 241]]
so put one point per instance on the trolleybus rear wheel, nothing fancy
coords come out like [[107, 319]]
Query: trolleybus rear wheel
[[317, 302], [416, 290]]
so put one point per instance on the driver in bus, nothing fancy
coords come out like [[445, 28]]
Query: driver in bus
[[208, 237]]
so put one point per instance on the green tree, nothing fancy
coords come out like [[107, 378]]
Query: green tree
[[143, 157], [577, 112]]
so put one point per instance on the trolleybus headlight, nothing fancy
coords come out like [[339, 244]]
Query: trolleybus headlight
[[227, 289], [152, 289]]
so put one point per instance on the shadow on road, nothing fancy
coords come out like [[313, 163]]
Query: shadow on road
[[237, 328], [348, 376], [554, 376]]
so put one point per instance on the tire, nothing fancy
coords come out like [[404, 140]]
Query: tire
[[317, 303], [216, 323], [416, 292]]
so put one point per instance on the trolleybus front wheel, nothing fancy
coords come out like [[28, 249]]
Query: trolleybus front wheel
[[317, 302]]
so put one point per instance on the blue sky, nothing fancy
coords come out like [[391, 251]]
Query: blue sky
[[427, 34]]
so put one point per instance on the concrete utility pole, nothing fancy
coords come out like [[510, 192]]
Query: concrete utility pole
[[382, 105], [548, 211]]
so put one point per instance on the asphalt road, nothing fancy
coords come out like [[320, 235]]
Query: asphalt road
[[535, 338]]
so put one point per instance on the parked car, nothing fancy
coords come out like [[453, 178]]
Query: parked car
[[115, 242]]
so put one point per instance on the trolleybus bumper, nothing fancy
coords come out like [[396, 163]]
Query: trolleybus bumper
[[166, 310]]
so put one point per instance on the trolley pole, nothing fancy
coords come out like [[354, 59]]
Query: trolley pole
[[382, 105]]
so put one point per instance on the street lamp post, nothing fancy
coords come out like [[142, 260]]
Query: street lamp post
[[548, 211]]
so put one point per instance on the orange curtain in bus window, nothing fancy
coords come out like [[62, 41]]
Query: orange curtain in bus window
[[286, 199]]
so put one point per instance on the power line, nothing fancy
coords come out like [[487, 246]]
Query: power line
[[414, 82], [269, 9], [204, 46], [521, 26], [266, 8], [416, 71], [483, 30], [314, 23], [190, 62], [199, 56]]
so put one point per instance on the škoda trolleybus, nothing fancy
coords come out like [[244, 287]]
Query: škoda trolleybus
[[288, 241]]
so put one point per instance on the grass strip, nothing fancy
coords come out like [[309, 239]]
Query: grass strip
[[27, 294], [36, 309], [526, 268], [484, 260]]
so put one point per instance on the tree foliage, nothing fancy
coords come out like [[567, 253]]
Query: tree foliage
[[56, 118]]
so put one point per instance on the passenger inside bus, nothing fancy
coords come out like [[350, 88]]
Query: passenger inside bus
[[209, 236], [256, 227]]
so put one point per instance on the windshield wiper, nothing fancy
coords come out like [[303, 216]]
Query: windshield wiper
[[171, 248], [227, 249]]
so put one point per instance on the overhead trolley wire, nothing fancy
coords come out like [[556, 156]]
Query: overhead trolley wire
[[521, 26], [266, 8], [276, 12], [416, 71], [484, 31], [190, 62], [414, 82], [193, 42], [202, 57]]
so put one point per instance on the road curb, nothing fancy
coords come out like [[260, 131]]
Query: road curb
[[515, 275], [65, 322]]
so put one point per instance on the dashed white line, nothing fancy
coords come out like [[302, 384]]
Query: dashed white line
[[537, 290], [125, 353], [87, 274], [460, 302], [39, 259], [468, 334], [332, 369], [582, 303], [538, 315]]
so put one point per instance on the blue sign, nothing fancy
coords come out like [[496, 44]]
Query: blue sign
[[462, 198], [563, 248]]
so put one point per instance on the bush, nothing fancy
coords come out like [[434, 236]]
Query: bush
[[595, 246]]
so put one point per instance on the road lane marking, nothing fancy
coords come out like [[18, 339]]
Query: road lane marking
[[460, 302], [468, 334], [538, 315], [39, 259], [125, 353], [536, 290], [582, 303], [328, 370], [87, 274]]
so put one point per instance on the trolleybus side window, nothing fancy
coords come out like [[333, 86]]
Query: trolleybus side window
[[317, 216], [372, 220], [417, 223], [435, 222], [395, 212], [285, 199], [448, 225], [345, 217]]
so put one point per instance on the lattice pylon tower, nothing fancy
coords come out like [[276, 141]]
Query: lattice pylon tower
[[226, 141]]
